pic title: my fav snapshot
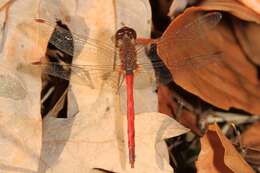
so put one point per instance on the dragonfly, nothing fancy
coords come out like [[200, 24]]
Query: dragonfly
[[129, 62]]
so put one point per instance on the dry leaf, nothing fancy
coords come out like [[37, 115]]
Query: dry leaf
[[251, 136], [215, 78], [87, 142], [96, 136], [20, 127], [250, 140], [233, 7], [247, 31], [219, 155], [248, 35], [253, 4], [177, 6]]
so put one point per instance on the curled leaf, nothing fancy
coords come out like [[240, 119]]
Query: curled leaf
[[219, 155]]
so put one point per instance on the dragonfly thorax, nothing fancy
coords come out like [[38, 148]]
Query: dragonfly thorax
[[125, 38]]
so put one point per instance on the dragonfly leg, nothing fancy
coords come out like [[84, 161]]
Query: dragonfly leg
[[146, 41], [137, 69], [38, 62], [120, 80]]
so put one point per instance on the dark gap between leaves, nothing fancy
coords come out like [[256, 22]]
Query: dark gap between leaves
[[55, 86]]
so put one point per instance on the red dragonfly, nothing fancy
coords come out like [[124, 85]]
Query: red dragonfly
[[131, 58]]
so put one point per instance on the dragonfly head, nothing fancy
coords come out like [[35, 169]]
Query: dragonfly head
[[125, 33]]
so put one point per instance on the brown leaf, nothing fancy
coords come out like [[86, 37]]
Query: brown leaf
[[248, 35], [216, 78], [251, 137], [233, 7], [211, 158], [219, 155], [247, 32]]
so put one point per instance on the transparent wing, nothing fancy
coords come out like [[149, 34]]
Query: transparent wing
[[153, 63], [193, 31], [185, 48], [61, 38], [197, 61], [80, 74]]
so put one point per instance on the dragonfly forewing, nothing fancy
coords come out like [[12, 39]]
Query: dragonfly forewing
[[61, 38]]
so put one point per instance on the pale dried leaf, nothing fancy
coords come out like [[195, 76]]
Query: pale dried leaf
[[96, 136], [20, 119], [177, 6], [99, 127], [253, 4], [83, 143]]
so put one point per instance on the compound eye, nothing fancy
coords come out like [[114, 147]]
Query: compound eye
[[132, 34], [119, 35], [125, 31]]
